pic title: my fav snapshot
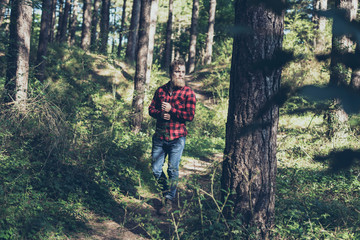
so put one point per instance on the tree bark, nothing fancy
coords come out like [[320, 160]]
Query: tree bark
[[122, 28], [94, 24], [320, 25], [168, 48], [86, 26], [341, 45], [193, 37], [43, 39], [73, 23], [17, 72], [152, 31], [60, 19], [210, 33], [64, 22], [249, 167], [141, 66], [104, 26], [133, 32], [52, 21]]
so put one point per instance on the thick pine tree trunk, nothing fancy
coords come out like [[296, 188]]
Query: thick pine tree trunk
[[168, 48], [338, 71], [60, 19], [152, 31], [141, 66], [130, 55], [94, 24], [210, 33], [249, 167], [320, 23], [193, 36], [17, 72], [86, 26], [104, 26], [43, 39], [122, 28]]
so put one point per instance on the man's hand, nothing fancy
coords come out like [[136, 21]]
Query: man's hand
[[165, 106], [165, 116]]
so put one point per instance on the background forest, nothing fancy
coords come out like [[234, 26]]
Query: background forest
[[75, 145]]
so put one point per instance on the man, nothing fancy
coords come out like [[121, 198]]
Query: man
[[173, 104]]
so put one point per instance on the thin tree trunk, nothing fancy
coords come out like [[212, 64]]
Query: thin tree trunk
[[249, 167], [210, 33], [43, 39], [320, 24], [17, 73], [133, 32], [141, 66], [168, 48], [104, 26], [193, 37], [122, 28], [52, 21], [3, 6], [73, 23], [152, 31], [60, 19], [94, 24], [64, 22], [86, 26]]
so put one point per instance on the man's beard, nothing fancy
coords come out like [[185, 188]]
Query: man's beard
[[178, 82]]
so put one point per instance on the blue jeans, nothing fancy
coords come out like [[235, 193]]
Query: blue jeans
[[161, 149]]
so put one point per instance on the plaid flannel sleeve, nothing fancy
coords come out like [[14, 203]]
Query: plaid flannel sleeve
[[153, 112], [189, 111]]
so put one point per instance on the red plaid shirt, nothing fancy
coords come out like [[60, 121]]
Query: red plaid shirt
[[182, 102]]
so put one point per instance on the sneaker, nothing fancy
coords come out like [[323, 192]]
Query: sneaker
[[166, 208]]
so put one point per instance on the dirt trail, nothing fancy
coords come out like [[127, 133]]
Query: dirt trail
[[148, 205]]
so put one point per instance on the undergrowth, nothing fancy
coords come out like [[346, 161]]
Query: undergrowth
[[72, 155]]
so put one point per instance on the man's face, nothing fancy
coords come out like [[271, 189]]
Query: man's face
[[178, 76]]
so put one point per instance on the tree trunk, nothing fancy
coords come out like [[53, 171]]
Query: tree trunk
[[43, 39], [341, 45], [320, 24], [122, 28], [168, 48], [52, 21], [64, 22], [133, 32], [94, 24], [104, 26], [17, 73], [338, 72], [152, 31], [86, 26], [210, 33], [193, 37], [249, 167], [73, 23], [3, 6], [141, 66], [60, 19]]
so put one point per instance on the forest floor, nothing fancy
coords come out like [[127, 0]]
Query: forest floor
[[148, 204]]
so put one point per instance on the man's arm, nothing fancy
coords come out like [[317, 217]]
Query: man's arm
[[153, 112], [189, 112]]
